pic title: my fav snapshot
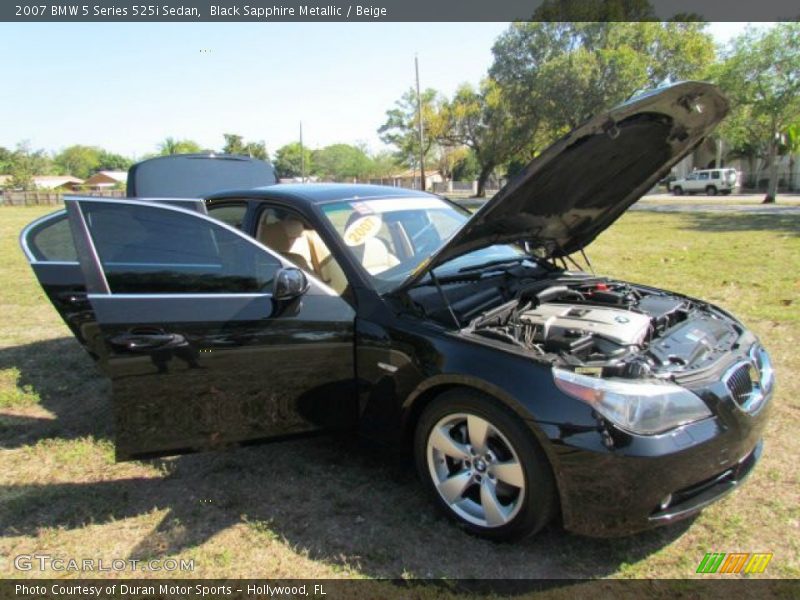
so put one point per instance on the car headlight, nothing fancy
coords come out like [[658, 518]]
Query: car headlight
[[644, 407]]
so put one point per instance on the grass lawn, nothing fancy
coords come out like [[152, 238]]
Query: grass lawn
[[325, 508]]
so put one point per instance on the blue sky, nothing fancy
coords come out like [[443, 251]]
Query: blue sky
[[125, 87]]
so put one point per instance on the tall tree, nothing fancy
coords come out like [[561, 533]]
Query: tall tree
[[110, 161], [78, 161], [27, 163], [172, 145], [760, 74], [290, 160], [482, 121], [401, 127], [557, 74], [341, 162], [235, 144]]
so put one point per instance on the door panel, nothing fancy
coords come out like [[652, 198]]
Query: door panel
[[199, 353]]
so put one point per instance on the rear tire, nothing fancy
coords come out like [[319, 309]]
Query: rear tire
[[483, 467], [711, 190], [677, 190]]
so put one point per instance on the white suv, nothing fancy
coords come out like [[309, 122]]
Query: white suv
[[710, 181]]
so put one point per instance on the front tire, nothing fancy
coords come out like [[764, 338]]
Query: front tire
[[677, 190], [483, 467]]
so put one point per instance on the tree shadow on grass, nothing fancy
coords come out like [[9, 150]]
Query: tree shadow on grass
[[332, 499], [721, 222]]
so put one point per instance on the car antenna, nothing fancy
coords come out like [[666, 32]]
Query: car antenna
[[444, 299]]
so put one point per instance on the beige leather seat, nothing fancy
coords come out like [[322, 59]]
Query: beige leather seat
[[327, 269], [286, 238], [375, 256]]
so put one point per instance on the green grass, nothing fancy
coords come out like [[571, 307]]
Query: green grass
[[323, 508]]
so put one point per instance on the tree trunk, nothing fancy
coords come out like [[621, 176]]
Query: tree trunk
[[772, 186], [486, 171]]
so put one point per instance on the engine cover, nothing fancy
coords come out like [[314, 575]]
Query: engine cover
[[619, 326]]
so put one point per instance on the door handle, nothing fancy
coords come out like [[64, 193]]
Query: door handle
[[142, 341]]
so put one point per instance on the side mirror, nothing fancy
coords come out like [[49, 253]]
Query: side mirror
[[289, 283]]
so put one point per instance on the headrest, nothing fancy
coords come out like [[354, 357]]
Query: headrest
[[293, 228]]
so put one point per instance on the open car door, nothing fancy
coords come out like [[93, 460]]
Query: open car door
[[178, 309]]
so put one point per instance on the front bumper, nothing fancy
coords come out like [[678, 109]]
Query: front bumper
[[639, 482], [691, 500]]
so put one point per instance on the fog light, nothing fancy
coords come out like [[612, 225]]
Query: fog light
[[666, 501]]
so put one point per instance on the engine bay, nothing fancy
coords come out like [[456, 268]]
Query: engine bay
[[595, 326]]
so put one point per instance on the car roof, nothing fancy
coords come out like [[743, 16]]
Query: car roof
[[319, 193]]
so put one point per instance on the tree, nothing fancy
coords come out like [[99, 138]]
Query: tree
[[341, 162], [109, 161], [78, 161], [555, 75], [172, 145], [290, 160], [383, 165], [6, 160], [467, 169], [235, 144], [482, 121], [25, 164], [760, 74], [401, 128]]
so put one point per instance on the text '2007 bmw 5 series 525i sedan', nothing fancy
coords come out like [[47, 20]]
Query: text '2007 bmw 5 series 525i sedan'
[[525, 390]]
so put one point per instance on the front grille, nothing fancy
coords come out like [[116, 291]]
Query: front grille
[[739, 383]]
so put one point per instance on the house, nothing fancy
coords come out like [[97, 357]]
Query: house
[[57, 183], [411, 179], [106, 179]]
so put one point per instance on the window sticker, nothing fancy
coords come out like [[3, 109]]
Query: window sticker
[[363, 228]]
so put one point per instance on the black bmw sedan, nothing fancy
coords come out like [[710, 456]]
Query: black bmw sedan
[[526, 390]]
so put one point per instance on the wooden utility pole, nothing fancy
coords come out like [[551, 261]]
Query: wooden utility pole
[[419, 127], [302, 157]]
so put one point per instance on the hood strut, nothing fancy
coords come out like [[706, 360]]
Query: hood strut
[[445, 300]]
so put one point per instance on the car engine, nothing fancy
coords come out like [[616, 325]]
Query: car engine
[[607, 328]]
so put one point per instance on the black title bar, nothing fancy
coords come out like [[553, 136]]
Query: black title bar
[[394, 10]]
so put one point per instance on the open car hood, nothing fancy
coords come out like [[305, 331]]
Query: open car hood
[[581, 184], [196, 175]]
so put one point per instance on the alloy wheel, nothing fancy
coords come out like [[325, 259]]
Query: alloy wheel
[[475, 470]]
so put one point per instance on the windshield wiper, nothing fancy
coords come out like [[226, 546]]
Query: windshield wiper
[[494, 263]]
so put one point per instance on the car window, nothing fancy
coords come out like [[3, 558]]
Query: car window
[[232, 213], [714, 174], [145, 250], [52, 241], [390, 237], [703, 176], [292, 236]]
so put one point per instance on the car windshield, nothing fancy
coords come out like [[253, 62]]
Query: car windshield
[[390, 237]]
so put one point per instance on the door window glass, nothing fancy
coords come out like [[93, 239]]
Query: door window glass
[[148, 250], [52, 241], [231, 213], [291, 236], [703, 176]]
